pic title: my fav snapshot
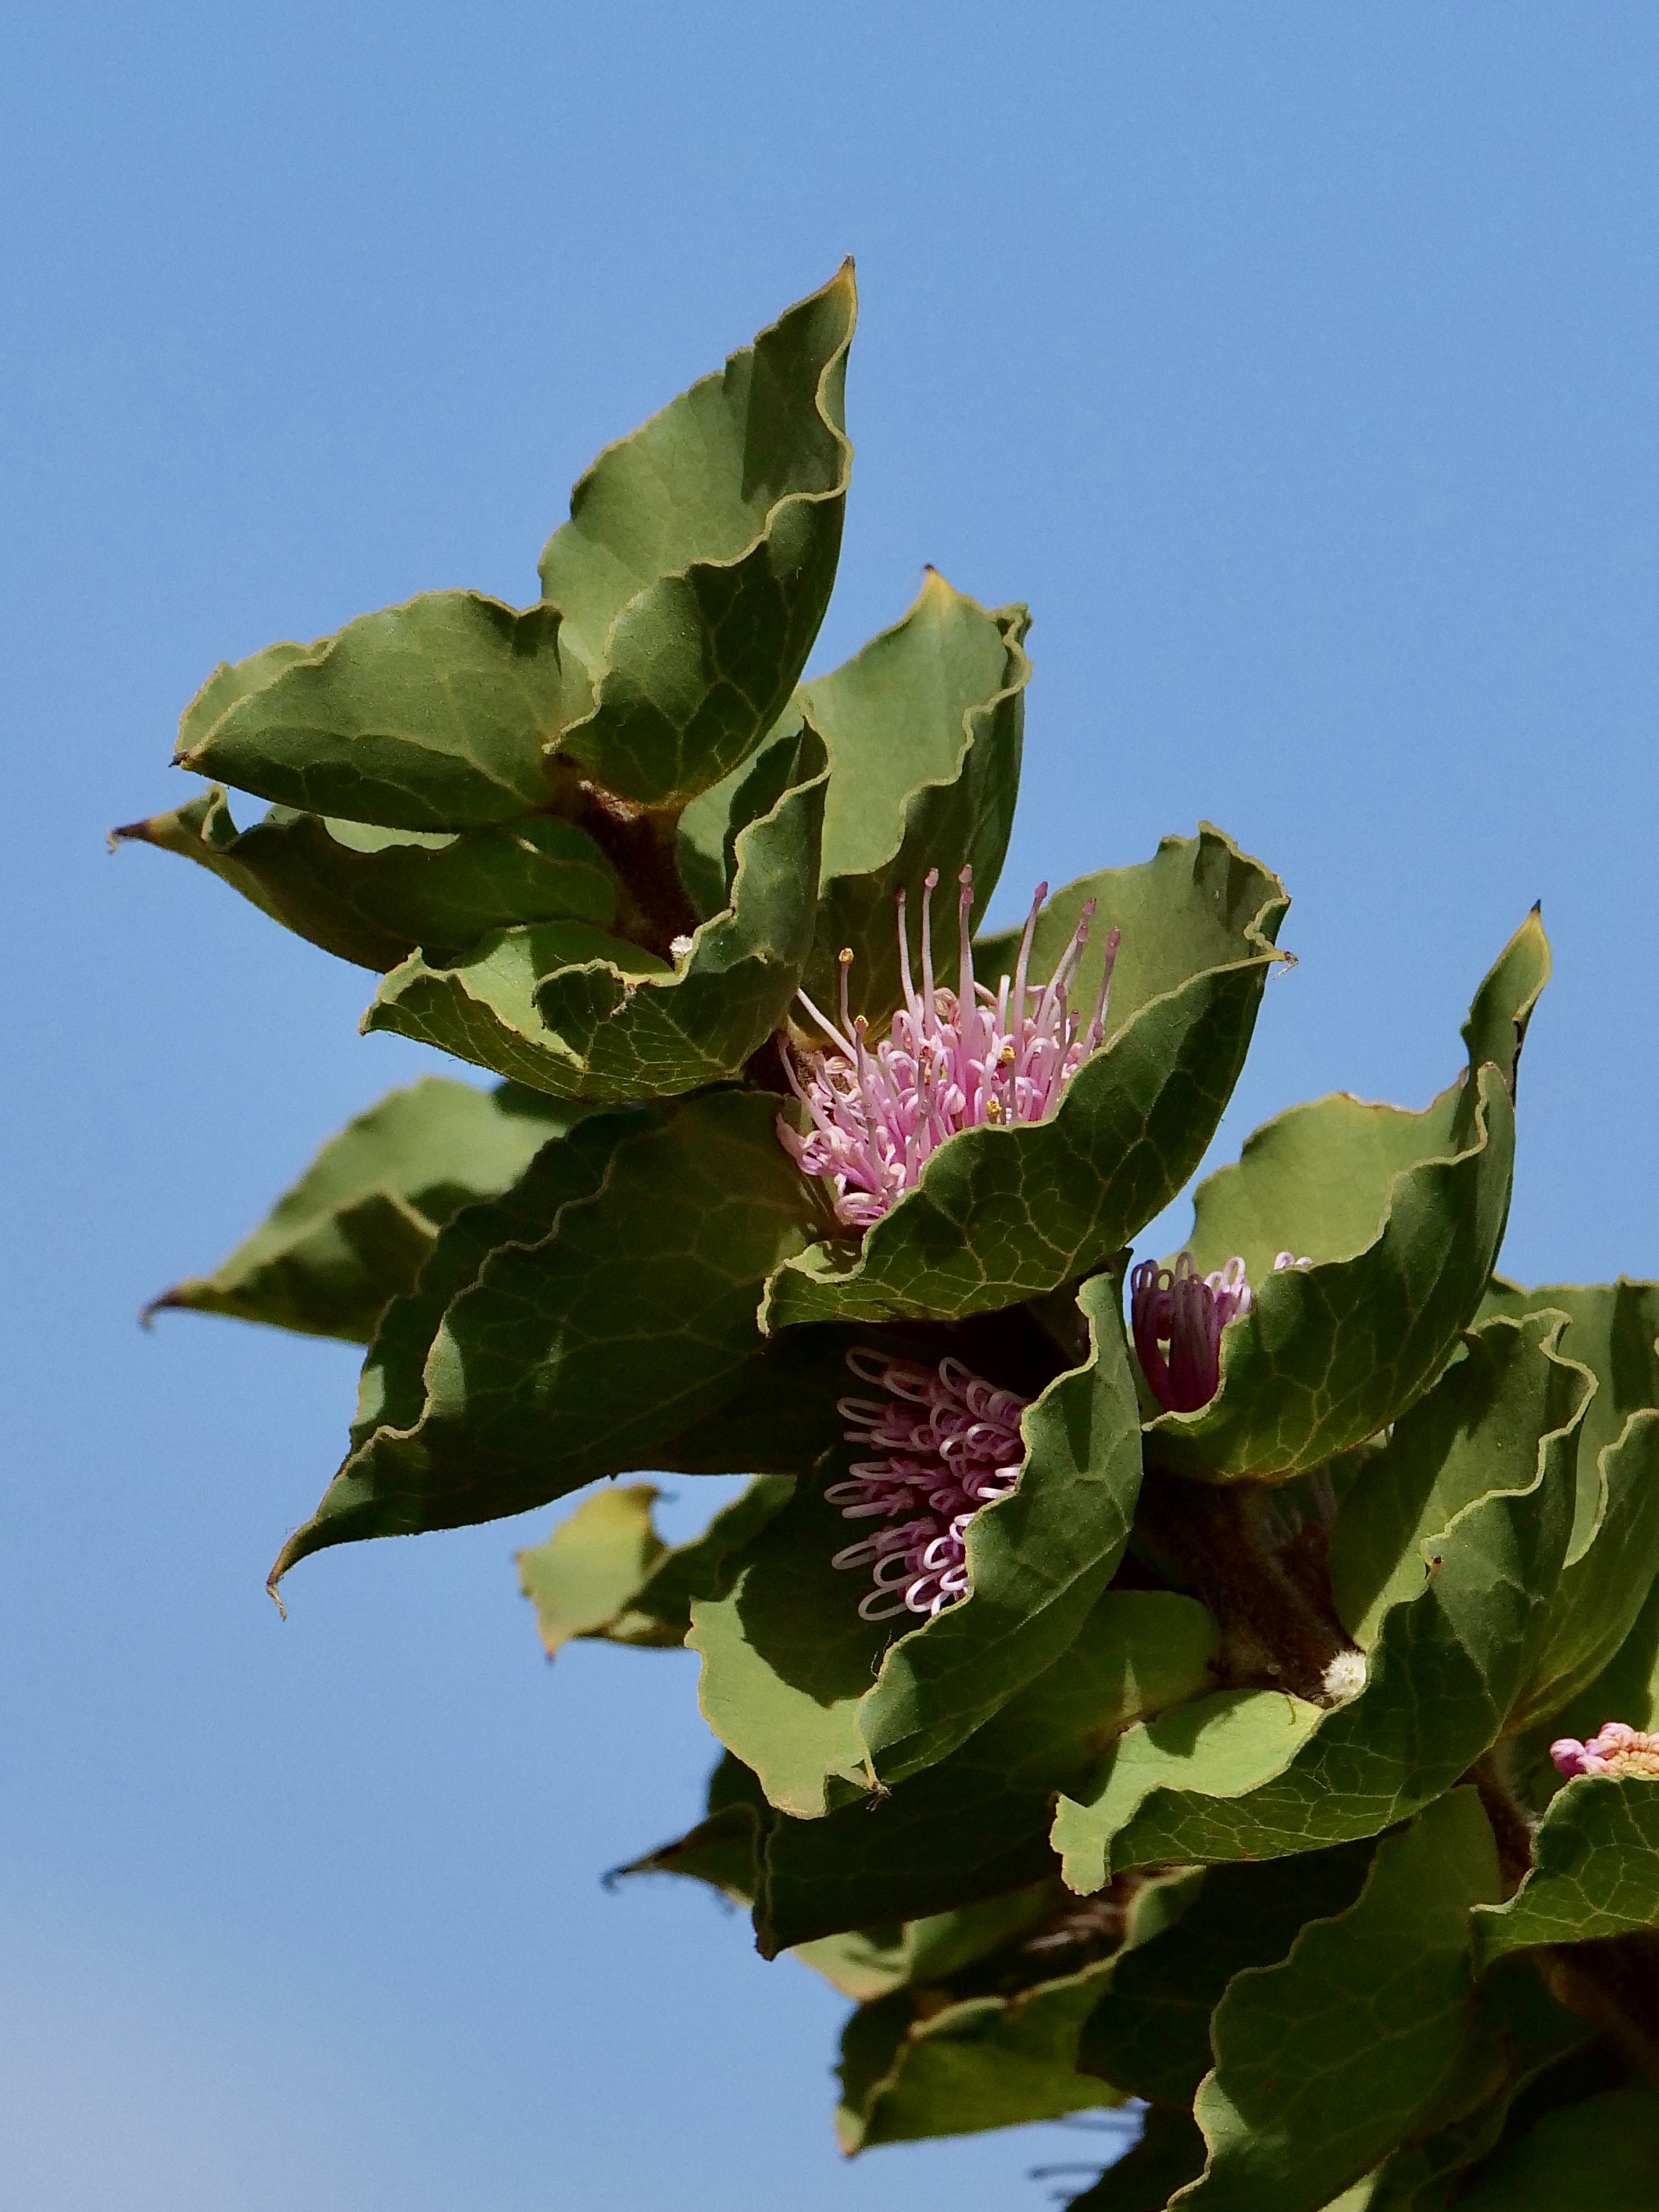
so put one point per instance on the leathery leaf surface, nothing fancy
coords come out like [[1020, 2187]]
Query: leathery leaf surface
[[1598, 2155], [679, 603], [788, 1659], [605, 1574], [979, 2062], [567, 1011], [372, 895], [1323, 2062], [1002, 1215], [1614, 1556], [976, 1825], [437, 714], [1445, 1555], [1595, 1871], [623, 1310], [355, 1231], [699, 556], [924, 726], [1400, 1215]]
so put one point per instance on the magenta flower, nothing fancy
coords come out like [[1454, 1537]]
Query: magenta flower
[[953, 1061], [1186, 1311], [1617, 1750], [948, 1442]]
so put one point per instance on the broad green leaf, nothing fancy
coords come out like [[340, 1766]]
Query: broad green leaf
[[353, 1232], [864, 1964], [698, 559], [1002, 1215], [984, 2063], [567, 1011], [1150, 2031], [1614, 1553], [924, 727], [787, 1660], [1595, 1873], [1171, 2152], [574, 1356], [438, 715], [1614, 1331], [1600, 2155], [1627, 1689], [976, 1825], [372, 895], [1520, 2032], [607, 1573], [1446, 1552], [1401, 1215], [1323, 2062]]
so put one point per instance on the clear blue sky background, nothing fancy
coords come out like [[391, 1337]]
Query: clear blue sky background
[[1297, 362]]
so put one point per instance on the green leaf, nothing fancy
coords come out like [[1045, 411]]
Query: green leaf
[[574, 1354], [1595, 1871], [372, 895], [1613, 1557], [976, 1825], [1002, 1215], [698, 559], [353, 1232], [1446, 1552], [1171, 2152], [985, 2063], [1401, 1215], [1599, 2156], [788, 1659], [438, 715], [605, 1573], [864, 1964], [1520, 2032], [1325, 2061], [568, 1012], [924, 726], [1627, 1689], [1150, 2031]]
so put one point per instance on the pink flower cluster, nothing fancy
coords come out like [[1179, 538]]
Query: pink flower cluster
[[1617, 1750], [954, 1059], [1186, 1311], [947, 1442]]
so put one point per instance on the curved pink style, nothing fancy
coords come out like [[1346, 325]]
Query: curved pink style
[[947, 1442], [953, 1061], [1617, 1750]]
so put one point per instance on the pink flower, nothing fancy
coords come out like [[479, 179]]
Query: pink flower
[[1178, 1307], [953, 1061], [948, 1442], [1617, 1750]]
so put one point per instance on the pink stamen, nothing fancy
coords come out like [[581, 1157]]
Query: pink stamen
[[952, 1060], [1186, 1311], [1618, 1750], [949, 1442]]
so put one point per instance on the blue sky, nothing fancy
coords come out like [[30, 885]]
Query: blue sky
[[1295, 363]]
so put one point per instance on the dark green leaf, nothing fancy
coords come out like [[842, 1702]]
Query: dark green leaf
[[1149, 2032], [788, 1659], [1171, 2152], [1596, 1870], [1325, 2061], [571, 1012], [864, 1964], [1600, 2155], [574, 1355], [976, 1824], [698, 559], [605, 1572], [985, 2063], [1330, 1353], [353, 1232], [438, 715], [372, 895], [1445, 1553], [1002, 1215]]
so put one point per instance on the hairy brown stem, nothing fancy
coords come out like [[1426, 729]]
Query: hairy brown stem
[[1511, 1827], [1270, 1593], [639, 843], [1613, 1984]]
